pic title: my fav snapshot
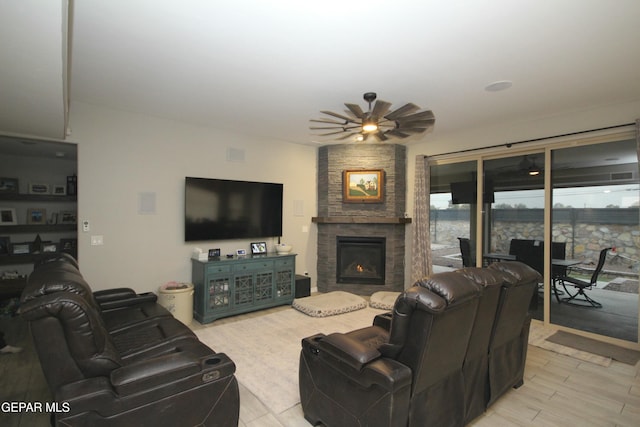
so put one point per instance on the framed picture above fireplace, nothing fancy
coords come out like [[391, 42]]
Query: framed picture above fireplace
[[363, 186]]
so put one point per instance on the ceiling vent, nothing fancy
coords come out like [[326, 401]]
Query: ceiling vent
[[624, 176]]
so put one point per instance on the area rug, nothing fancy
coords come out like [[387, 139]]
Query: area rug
[[538, 334], [329, 304], [623, 285], [621, 354], [266, 348]]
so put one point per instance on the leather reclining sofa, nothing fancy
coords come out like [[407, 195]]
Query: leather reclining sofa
[[117, 358], [453, 344]]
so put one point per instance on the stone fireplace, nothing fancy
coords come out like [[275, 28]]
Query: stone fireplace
[[371, 231]]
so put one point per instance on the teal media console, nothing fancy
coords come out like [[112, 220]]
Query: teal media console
[[228, 286]]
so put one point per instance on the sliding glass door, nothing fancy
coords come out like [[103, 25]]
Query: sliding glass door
[[513, 217], [557, 208], [595, 198]]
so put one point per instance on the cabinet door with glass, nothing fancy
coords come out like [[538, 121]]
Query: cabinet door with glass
[[285, 278]]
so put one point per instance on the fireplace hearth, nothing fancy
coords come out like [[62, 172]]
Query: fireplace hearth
[[360, 260]]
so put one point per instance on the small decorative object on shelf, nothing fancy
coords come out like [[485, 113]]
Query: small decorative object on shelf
[[38, 188], [53, 219], [72, 185], [67, 217], [36, 246], [12, 275], [36, 216], [59, 190], [8, 216], [21, 248], [69, 245], [49, 247], [9, 185]]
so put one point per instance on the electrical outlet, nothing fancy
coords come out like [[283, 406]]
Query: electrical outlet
[[97, 240], [85, 225]]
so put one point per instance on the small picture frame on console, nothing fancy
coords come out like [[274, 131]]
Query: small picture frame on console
[[363, 186], [258, 248]]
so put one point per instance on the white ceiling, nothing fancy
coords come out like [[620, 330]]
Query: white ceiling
[[267, 67]]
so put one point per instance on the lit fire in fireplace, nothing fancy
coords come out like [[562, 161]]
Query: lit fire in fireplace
[[359, 268]]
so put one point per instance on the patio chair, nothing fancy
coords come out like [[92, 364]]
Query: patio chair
[[579, 297], [468, 255]]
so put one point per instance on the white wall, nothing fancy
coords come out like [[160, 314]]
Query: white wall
[[121, 155], [503, 133]]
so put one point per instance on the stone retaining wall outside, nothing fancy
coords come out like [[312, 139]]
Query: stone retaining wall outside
[[583, 240]]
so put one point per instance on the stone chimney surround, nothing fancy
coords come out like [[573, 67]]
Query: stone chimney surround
[[386, 219]]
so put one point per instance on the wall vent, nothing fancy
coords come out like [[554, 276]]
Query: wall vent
[[616, 176]]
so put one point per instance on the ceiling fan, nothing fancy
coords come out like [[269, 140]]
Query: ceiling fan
[[377, 121]]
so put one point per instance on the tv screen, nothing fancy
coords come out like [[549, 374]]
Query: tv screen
[[219, 209], [465, 192]]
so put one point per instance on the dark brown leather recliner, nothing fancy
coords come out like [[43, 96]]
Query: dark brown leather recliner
[[457, 342], [475, 368], [510, 336], [121, 364], [408, 376], [497, 350]]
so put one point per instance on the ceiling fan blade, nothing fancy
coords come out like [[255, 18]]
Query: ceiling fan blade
[[356, 110], [380, 109], [399, 134], [414, 122], [349, 135], [380, 135], [333, 122], [412, 130], [332, 133], [340, 116], [405, 109], [424, 115], [325, 128], [344, 128]]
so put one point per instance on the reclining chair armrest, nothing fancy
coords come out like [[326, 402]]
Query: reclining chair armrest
[[122, 297], [348, 350], [383, 320], [388, 372], [166, 369]]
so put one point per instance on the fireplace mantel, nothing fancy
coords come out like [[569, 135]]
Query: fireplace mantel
[[359, 220]]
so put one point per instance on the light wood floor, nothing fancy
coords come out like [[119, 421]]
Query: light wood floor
[[558, 391]]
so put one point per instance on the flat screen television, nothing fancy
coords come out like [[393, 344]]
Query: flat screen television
[[465, 192], [220, 209]]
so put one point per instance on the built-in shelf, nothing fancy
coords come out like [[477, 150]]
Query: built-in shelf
[[359, 220], [37, 228], [14, 197]]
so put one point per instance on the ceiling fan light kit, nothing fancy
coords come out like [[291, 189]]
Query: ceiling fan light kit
[[376, 121]]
